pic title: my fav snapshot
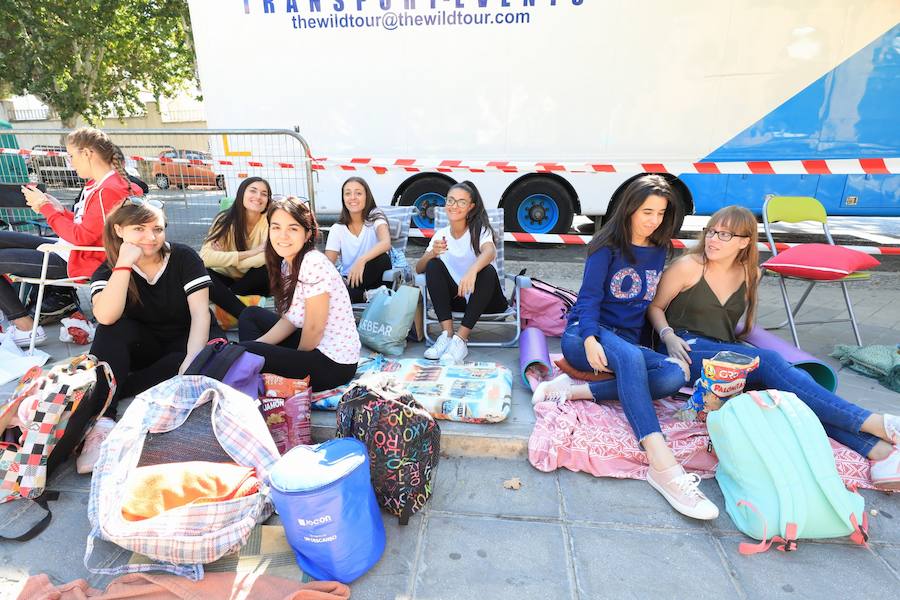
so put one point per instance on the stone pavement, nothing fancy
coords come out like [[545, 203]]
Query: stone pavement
[[564, 535]]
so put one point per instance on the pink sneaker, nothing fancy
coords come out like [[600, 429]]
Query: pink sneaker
[[90, 452], [680, 489], [886, 472]]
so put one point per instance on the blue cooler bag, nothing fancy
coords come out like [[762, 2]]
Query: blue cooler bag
[[324, 496]]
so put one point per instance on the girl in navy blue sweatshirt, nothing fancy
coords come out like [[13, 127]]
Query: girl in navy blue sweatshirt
[[624, 264]]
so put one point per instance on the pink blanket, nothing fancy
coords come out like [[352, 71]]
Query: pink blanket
[[597, 439]]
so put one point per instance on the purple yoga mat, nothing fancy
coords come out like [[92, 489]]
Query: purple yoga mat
[[820, 371], [533, 351]]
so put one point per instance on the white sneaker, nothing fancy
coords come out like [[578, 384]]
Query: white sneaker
[[892, 427], [456, 352], [680, 489], [22, 338], [886, 472], [556, 390], [440, 346]]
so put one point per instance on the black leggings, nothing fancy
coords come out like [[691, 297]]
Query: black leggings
[[285, 359], [373, 273], [487, 298], [225, 290], [19, 256], [139, 359]]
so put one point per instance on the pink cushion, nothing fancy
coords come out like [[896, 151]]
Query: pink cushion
[[822, 262]]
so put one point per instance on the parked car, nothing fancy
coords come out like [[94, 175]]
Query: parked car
[[181, 175], [52, 170]]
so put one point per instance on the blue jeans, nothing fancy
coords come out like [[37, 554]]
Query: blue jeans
[[841, 419], [642, 376]]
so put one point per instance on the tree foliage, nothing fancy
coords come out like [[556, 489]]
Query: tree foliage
[[93, 58]]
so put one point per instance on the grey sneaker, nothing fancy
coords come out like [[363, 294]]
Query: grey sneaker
[[440, 346], [456, 352]]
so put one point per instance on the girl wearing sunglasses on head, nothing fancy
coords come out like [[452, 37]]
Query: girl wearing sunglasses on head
[[96, 159], [151, 299], [701, 298]]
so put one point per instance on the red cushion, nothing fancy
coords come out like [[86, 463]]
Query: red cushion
[[822, 262]]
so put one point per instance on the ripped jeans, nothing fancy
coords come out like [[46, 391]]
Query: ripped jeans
[[841, 419], [643, 375]]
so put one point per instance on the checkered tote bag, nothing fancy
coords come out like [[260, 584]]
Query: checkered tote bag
[[54, 396], [187, 537]]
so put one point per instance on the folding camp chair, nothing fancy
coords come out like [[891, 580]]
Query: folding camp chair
[[796, 209], [496, 217], [398, 222]]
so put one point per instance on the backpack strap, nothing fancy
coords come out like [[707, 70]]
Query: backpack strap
[[787, 543]]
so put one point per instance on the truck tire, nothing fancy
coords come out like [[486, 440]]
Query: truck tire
[[425, 194], [538, 205]]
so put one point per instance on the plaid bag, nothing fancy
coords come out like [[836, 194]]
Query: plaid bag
[[54, 396], [189, 536]]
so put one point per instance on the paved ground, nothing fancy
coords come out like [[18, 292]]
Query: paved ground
[[565, 535]]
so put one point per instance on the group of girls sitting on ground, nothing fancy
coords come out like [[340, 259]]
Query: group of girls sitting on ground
[[151, 299], [694, 307]]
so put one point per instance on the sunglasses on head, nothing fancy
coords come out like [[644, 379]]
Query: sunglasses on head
[[145, 202]]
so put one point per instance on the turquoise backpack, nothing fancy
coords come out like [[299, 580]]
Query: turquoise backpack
[[776, 470]]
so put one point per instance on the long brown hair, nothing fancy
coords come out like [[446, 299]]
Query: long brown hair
[[129, 214], [477, 219], [616, 234], [283, 289], [99, 142], [739, 221], [232, 222]]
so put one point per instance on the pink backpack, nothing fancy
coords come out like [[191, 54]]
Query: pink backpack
[[546, 307]]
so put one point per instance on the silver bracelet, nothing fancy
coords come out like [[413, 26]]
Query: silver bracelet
[[664, 331]]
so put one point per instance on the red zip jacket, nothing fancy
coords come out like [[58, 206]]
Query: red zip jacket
[[108, 195]]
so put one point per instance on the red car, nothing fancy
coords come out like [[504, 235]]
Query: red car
[[181, 175]]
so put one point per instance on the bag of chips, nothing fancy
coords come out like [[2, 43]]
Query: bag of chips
[[285, 408], [724, 376]]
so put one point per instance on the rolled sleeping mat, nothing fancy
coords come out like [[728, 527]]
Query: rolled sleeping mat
[[819, 370], [533, 353]]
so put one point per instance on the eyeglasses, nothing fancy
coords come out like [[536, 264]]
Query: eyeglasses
[[145, 202], [725, 236], [460, 202]]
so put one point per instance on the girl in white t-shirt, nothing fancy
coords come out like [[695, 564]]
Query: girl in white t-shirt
[[462, 278], [313, 333], [361, 239]]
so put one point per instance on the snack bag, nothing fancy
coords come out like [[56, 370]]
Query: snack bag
[[724, 376], [285, 408]]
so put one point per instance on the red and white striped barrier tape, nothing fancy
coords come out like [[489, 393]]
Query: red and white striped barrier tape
[[583, 240], [856, 166]]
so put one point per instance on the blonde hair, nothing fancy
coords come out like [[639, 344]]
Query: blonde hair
[[739, 221], [99, 142]]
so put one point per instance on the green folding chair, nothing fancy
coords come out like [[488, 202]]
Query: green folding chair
[[798, 209]]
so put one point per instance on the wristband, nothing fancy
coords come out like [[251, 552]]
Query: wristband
[[665, 331], [121, 269]]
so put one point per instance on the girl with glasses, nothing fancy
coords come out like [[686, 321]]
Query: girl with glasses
[[235, 248], [96, 159], [625, 261], [361, 239], [702, 297], [313, 334], [459, 273], [151, 299]]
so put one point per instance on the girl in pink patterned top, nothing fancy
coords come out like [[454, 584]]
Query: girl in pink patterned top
[[314, 332]]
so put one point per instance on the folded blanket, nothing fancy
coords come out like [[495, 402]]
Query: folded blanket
[[879, 362], [158, 488]]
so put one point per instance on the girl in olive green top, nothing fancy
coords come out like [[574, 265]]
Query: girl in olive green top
[[234, 250], [700, 299]]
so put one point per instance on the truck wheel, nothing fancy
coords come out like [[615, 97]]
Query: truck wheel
[[162, 182], [425, 194], [538, 206]]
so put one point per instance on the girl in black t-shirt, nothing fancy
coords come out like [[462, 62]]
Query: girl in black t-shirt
[[151, 299]]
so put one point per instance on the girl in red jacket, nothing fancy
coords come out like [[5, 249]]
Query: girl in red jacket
[[95, 158]]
